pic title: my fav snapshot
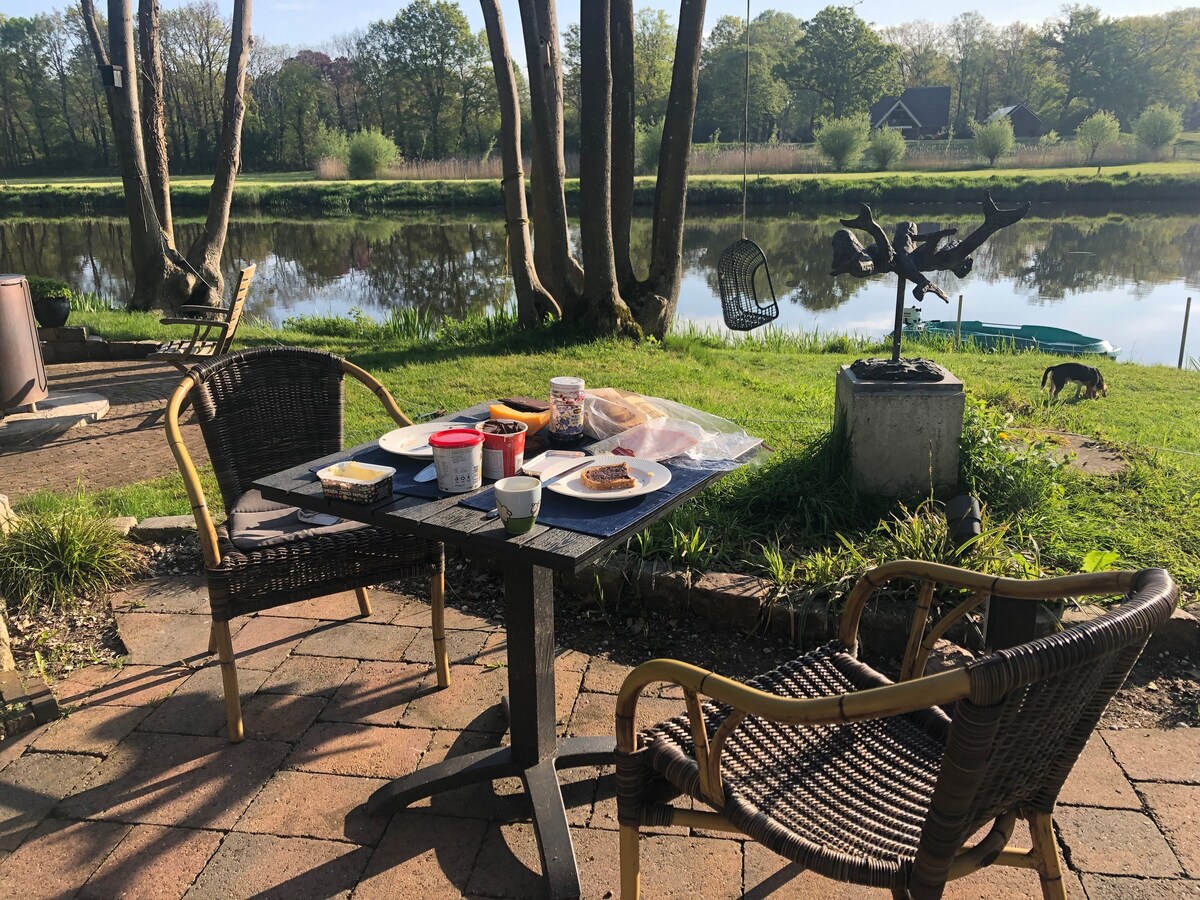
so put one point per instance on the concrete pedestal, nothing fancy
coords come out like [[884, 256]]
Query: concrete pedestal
[[902, 437]]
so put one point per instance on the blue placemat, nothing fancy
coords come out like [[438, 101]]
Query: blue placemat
[[405, 467], [600, 518]]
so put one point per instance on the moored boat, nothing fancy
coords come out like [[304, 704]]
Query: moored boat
[[1044, 338]]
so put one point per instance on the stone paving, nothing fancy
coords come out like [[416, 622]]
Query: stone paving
[[124, 447], [137, 793]]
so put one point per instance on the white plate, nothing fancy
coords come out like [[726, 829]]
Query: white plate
[[413, 440], [650, 477]]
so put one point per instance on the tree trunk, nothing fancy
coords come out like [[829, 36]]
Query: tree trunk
[[534, 302], [156, 276], [559, 270], [205, 253], [154, 116], [603, 309], [623, 126], [656, 309]]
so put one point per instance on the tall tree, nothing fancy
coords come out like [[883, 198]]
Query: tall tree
[[844, 63], [774, 51], [423, 45], [922, 53], [607, 298], [162, 276], [653, 53]]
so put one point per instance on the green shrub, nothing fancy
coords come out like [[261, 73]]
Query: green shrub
[[1157, 127], [886, 149], [53, 558], [371, 154], [1014, 479], [994, 139], [331, 143], [49, 288], [1096, 132], [647, 145], [842, 141]]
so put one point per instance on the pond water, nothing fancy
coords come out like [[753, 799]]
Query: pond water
[[1121, 273]]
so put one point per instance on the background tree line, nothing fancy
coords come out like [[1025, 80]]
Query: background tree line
[[423, 78]]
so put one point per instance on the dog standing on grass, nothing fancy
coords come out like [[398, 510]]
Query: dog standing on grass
[[1088, 380]]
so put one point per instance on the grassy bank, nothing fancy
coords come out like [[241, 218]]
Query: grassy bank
[[298, 192], [795, 518]]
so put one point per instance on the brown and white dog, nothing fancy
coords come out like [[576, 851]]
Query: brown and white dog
[[1088, 380]]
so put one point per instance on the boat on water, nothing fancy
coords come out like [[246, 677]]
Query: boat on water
[[988, 335]]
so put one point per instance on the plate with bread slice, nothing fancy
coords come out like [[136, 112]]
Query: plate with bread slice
[[610, 477]]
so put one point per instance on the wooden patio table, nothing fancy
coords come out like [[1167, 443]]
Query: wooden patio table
[[534, 753]]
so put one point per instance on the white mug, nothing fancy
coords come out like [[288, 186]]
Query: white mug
[[518, 500]]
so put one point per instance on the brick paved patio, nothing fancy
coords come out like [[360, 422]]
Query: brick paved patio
[[124, 447], [137, 794]]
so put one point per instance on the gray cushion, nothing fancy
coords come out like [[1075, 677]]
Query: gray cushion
[[255, 523]]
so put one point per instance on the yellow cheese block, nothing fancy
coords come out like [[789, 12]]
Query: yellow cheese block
[[535, 420]]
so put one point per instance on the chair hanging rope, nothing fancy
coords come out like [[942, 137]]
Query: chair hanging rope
[[738, 266]]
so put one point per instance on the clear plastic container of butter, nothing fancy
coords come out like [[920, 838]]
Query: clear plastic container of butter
[[356, 482]]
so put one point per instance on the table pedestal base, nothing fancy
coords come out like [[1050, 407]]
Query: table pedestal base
[[541, 786]]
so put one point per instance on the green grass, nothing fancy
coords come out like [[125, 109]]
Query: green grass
[[299, 192], [796, 514]]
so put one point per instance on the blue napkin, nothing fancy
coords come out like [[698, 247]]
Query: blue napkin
[[602, 519]]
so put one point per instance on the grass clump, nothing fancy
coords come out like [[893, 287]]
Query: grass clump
[[53, 558]]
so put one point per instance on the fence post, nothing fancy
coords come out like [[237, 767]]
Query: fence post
[[1187, 314], [958, 326]]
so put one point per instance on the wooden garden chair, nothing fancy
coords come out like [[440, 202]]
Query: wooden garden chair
[[213, 328], [830, 764], [261, 411]]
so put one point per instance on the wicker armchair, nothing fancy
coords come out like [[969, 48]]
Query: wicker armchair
[[830, 764], [261, 411]]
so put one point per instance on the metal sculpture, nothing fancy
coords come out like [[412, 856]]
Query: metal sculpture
[[909, 254]]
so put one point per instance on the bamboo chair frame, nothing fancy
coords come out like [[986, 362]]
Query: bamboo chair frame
[[220, 639], [213, 328], [914, 692]]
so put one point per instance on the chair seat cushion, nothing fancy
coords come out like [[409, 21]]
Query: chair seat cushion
[[255, 523], [847, 800]]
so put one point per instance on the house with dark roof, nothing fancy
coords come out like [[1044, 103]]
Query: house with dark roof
[[1025, 122], [918, 112]]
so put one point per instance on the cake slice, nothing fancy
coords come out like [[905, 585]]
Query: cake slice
[[611, 477]]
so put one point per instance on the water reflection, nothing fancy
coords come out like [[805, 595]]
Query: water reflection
[[450, 264]]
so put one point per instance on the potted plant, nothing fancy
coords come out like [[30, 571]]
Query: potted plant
[[51, 301]]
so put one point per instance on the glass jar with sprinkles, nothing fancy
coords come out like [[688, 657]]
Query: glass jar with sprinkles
[[566, 411]]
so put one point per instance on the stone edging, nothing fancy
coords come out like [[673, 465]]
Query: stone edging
[[72, 343], [745, 602]]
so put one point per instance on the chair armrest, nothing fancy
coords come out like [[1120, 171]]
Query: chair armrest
[[202, 310], [857, 706], [376, 387], [988, 585], [191, 478], [196, 323]]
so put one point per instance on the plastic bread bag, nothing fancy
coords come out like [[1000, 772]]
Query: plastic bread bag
[[684, 435], [609, 411]]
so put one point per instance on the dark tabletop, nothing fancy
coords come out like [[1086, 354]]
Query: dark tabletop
[[445, 520]]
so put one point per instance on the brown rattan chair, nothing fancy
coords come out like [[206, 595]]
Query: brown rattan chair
[[213, 328], [830, 764], [261, 411]]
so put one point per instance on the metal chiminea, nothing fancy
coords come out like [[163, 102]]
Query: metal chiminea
[[22, 373]]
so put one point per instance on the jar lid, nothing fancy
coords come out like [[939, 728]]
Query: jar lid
[[566, 383], [455, 439]]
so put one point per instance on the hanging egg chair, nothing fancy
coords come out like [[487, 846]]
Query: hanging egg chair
[[737, 269], [737, 272]]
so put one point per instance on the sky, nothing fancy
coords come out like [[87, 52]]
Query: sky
[[309, 23]]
